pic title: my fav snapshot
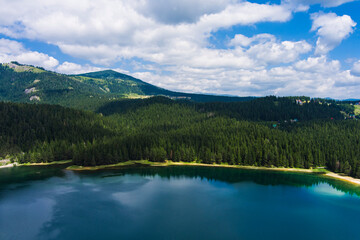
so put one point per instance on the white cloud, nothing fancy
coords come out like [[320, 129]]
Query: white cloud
[[266, 49], [356, 69], [274, 52], [303, 4], [331, 29], [107, 31], [244, 13], [185, 11], [319, 65], [14, 51], [73, 68], [241, 40], [314, 76]]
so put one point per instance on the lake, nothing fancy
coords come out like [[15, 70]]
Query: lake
[[180, 202]]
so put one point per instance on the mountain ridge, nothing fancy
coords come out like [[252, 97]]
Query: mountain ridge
[[26, 83]]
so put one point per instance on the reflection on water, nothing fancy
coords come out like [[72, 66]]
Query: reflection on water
[[174, 203]]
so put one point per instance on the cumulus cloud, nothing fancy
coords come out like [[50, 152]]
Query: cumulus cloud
[[314, 76], [185, 11], [244, 13], [331, 29], [303, 5], [107, 31], [15, 51], [318, 64], [356, 69], [73, 68], [266, 49]]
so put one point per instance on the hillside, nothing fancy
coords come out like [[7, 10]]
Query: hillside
[[23, 83], [114, 82], [260, 109], [165, 129]]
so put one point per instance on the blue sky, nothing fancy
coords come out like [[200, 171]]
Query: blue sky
[[232, 47]]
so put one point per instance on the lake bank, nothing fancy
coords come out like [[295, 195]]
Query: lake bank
[[322, 171], [345, 178], [15, 164], [9, 165]]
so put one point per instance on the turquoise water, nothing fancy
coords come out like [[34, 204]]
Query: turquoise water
[[174, 203]]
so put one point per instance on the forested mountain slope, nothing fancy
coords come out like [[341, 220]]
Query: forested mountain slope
[[115, 82], [23, 126], [23, 83], [165, 129], [260, 109]]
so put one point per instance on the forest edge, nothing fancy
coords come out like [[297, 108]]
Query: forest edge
[[324, 172]]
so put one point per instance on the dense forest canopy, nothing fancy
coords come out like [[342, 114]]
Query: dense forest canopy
[[268, 131]]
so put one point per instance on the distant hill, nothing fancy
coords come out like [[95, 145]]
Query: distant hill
[[114, 82], [25, 83], [351, 100]]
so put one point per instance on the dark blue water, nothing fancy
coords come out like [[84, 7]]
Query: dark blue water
[[174, 203]]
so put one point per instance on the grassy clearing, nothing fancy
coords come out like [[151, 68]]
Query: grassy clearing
[[135, 96], [122, 164], [46, 164], [357, 109]]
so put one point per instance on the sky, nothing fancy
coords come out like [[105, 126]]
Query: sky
[[226, 47]]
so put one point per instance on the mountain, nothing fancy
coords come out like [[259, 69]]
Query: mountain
[[351, 100], [25, 83], [119, 83]]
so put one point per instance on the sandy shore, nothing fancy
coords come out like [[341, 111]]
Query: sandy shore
[[343, 178], [9, 165], [170, 163], [241, 167], [326, 173], [36, 164]]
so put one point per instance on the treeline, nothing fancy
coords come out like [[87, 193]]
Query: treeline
[[222, 140], [23, 126], [178, 131], [260, 109]]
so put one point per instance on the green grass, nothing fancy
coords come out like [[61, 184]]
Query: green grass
[[92, 168], [135, 96], [25, 68], [357, 109], [45, 164]]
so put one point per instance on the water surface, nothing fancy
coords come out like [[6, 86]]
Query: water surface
[[174, 203]]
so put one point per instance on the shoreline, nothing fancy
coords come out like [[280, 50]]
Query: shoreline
[[9, 165], [15, 164], [322, 171], [344, 178]]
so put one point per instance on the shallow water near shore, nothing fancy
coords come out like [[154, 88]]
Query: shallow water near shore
[[178, 202]]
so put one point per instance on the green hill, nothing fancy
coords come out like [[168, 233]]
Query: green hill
[[24, 83], [114, 82], [174, 130]]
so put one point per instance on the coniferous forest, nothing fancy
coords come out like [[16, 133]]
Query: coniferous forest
[[267, 131]]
